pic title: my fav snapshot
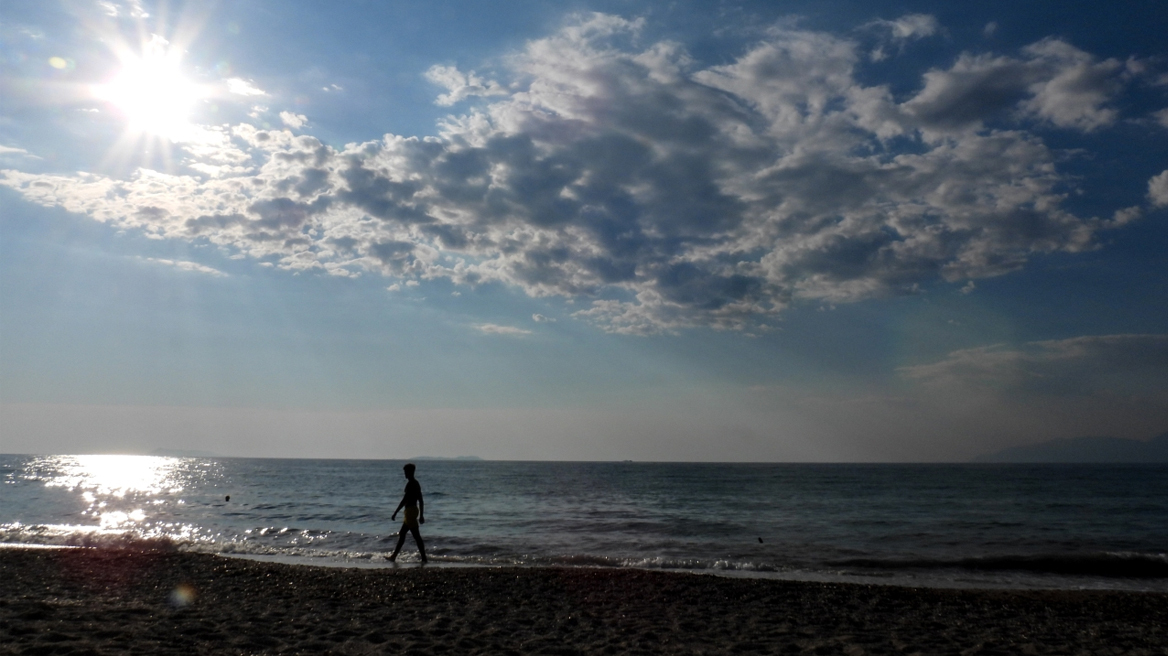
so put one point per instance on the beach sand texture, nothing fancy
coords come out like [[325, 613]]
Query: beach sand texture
[[85, 601]]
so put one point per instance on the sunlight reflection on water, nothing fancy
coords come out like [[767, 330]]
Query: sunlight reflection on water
[[128, 495], [102, 478], [114, 475]]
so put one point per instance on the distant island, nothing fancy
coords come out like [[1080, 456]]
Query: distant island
[[1086, 449], [445, 458]]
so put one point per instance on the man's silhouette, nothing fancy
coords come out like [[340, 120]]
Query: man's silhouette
[[415, 514]]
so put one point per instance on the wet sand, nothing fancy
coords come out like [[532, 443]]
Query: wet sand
[[84, 601]]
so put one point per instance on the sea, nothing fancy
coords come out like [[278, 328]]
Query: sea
[[937, 525]]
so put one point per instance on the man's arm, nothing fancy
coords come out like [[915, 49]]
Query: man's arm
[[398, 509], [421, 507]]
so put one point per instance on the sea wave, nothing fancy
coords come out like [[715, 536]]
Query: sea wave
[[341, 547], [56, 535]]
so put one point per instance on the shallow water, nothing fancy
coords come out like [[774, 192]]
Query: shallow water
[[1060, 526]]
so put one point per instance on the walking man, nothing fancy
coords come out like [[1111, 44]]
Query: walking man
[[415, 514]]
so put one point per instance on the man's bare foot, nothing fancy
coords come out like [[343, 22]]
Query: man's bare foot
[[392, 559]]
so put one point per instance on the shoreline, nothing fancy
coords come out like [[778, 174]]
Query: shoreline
[[960, 580], [111, 601], [957, 579]]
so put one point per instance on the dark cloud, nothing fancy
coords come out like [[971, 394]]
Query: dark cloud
[[973, 90], [214, 223]]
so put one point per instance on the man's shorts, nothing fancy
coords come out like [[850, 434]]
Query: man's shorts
[[411, 518]]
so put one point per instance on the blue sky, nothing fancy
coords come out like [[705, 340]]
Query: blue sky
[[833, 231]]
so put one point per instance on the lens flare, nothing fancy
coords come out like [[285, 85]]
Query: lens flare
[[183, 595]]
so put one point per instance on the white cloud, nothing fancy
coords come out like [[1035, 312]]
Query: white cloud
[[461, 85], [539, 318], [908, 27], [184, 265], [11, 150], [294, 121], [1158, 189], [1052, 81], [1162, 117], [1078, 88], [131, 8], [493, 329], [242, 87], [665, 194]]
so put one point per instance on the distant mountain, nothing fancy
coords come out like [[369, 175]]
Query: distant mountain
[[446, 458], [1085, 449]]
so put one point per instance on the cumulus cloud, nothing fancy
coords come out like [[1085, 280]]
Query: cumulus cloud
[[1052, 81], [899, 32], [1079, 365], [1125, 215], [242, 87], [909, 26], [294, 121], [663, 194], [494, 329], [539, 318], [1158, 189], [461, 85]]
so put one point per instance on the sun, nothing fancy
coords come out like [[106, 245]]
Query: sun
[[151, 92]]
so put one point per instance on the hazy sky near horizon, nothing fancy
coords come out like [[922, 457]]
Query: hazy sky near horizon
[[842, 231]]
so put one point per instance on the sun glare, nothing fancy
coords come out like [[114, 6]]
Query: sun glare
[[116, 475], [151, 92]]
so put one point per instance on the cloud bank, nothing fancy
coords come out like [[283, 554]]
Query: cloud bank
[[1095, 364], [659, 193]]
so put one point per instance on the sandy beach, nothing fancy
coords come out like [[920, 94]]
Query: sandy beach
[[84, 601]]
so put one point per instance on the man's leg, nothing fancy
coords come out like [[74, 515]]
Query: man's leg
[[418, 540], [401, 539]]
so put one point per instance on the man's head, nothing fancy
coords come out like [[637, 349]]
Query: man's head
[[409, 469]]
